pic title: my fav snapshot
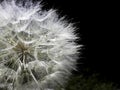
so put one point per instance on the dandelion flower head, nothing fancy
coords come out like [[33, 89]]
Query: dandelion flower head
[[37, 48]]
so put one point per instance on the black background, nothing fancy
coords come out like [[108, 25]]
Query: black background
[[96, 29]]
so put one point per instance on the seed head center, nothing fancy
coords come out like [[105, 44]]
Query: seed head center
[[23, 51]]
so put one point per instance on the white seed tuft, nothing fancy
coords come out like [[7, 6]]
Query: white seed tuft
[[37, 49]]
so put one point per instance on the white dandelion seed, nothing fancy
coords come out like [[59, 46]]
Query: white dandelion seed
[[37, 49]]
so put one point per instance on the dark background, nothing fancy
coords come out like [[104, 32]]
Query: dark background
[[94, 20]]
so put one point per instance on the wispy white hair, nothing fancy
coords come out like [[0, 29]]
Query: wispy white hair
[[37, 49]]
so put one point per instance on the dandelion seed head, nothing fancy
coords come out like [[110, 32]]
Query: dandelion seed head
[[37, 49]]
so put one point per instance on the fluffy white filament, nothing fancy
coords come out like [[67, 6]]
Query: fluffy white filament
[[37, 49]]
